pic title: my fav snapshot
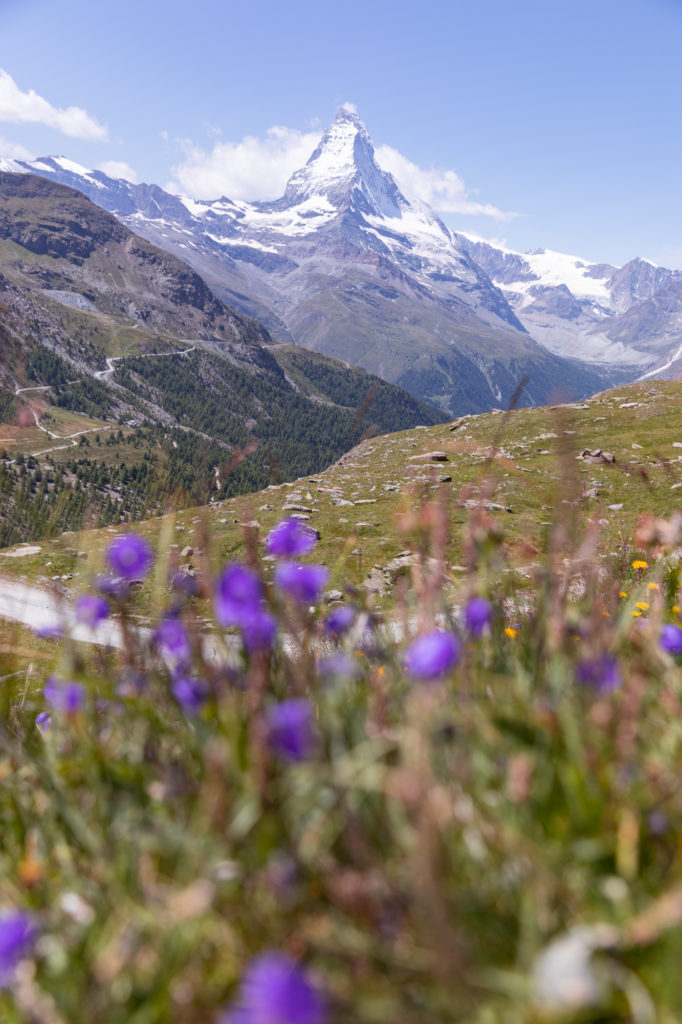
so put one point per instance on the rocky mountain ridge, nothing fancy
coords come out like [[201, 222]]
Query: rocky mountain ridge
[[627, 315], [345, 264]]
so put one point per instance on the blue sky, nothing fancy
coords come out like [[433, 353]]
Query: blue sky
[[536, 122]]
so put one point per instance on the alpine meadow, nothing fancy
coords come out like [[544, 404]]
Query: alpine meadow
[[340, 531]]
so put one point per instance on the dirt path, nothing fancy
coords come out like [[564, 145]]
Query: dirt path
[[100, 375]]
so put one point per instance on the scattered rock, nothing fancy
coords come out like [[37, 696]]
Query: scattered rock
[[291, 506], [32, 549], [596, 456], [458, 422], [381, 578], [366, 501], [429, 457], [187, 552], [490, 506]]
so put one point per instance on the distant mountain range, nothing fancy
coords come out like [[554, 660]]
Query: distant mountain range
[[343, 263]]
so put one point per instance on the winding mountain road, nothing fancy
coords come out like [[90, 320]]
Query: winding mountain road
[[100, 375]]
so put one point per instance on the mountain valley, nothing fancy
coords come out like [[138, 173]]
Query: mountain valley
[[117, 348], [193, 349]]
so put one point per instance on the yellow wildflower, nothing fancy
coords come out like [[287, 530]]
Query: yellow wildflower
[[642, 605], [511, 633], [675, 609], [653, 586], [640, 564], [623, 593], [636, 615]]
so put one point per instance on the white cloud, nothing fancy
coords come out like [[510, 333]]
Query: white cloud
[[14, 151], [260, 168], [28, 107], [443, 190], [118, 169], [251, 169]]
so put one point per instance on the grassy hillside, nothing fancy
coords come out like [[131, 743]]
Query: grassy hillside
[[530, 455], [463, 811]]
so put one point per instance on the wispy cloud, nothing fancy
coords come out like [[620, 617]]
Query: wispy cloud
[[118, 169], [14, 151], [251, 169], [28, 107], [258, 168], [442, 189]]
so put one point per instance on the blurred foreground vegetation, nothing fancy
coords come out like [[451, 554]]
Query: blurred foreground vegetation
[[499, 844]]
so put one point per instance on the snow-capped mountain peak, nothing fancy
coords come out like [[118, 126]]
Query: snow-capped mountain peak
[[344, 262], [343, 170]]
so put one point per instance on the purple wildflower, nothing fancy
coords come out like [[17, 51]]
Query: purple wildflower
[[601, 673], [64, 696], [259, 631], [291, 539], [477, 616], [112, 586], [129, 556], [276, 990], [340, 619], [341, 666], [190, 693], [17, 937], [185, 583], [671, 639], [433, 654], [43, 720], [238, 595], [172, 641], [658, 822], [90, 610], [303, 583], [290, 729], [131, 683]]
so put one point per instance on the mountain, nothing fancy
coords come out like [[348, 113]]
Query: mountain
[[100, 329], [343, 263], [628, 316]]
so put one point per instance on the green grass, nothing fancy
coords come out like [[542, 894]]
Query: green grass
[[507, 449], [437, 837]]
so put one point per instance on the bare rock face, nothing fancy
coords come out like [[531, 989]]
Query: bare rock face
[[430, 457], [597, 455]]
